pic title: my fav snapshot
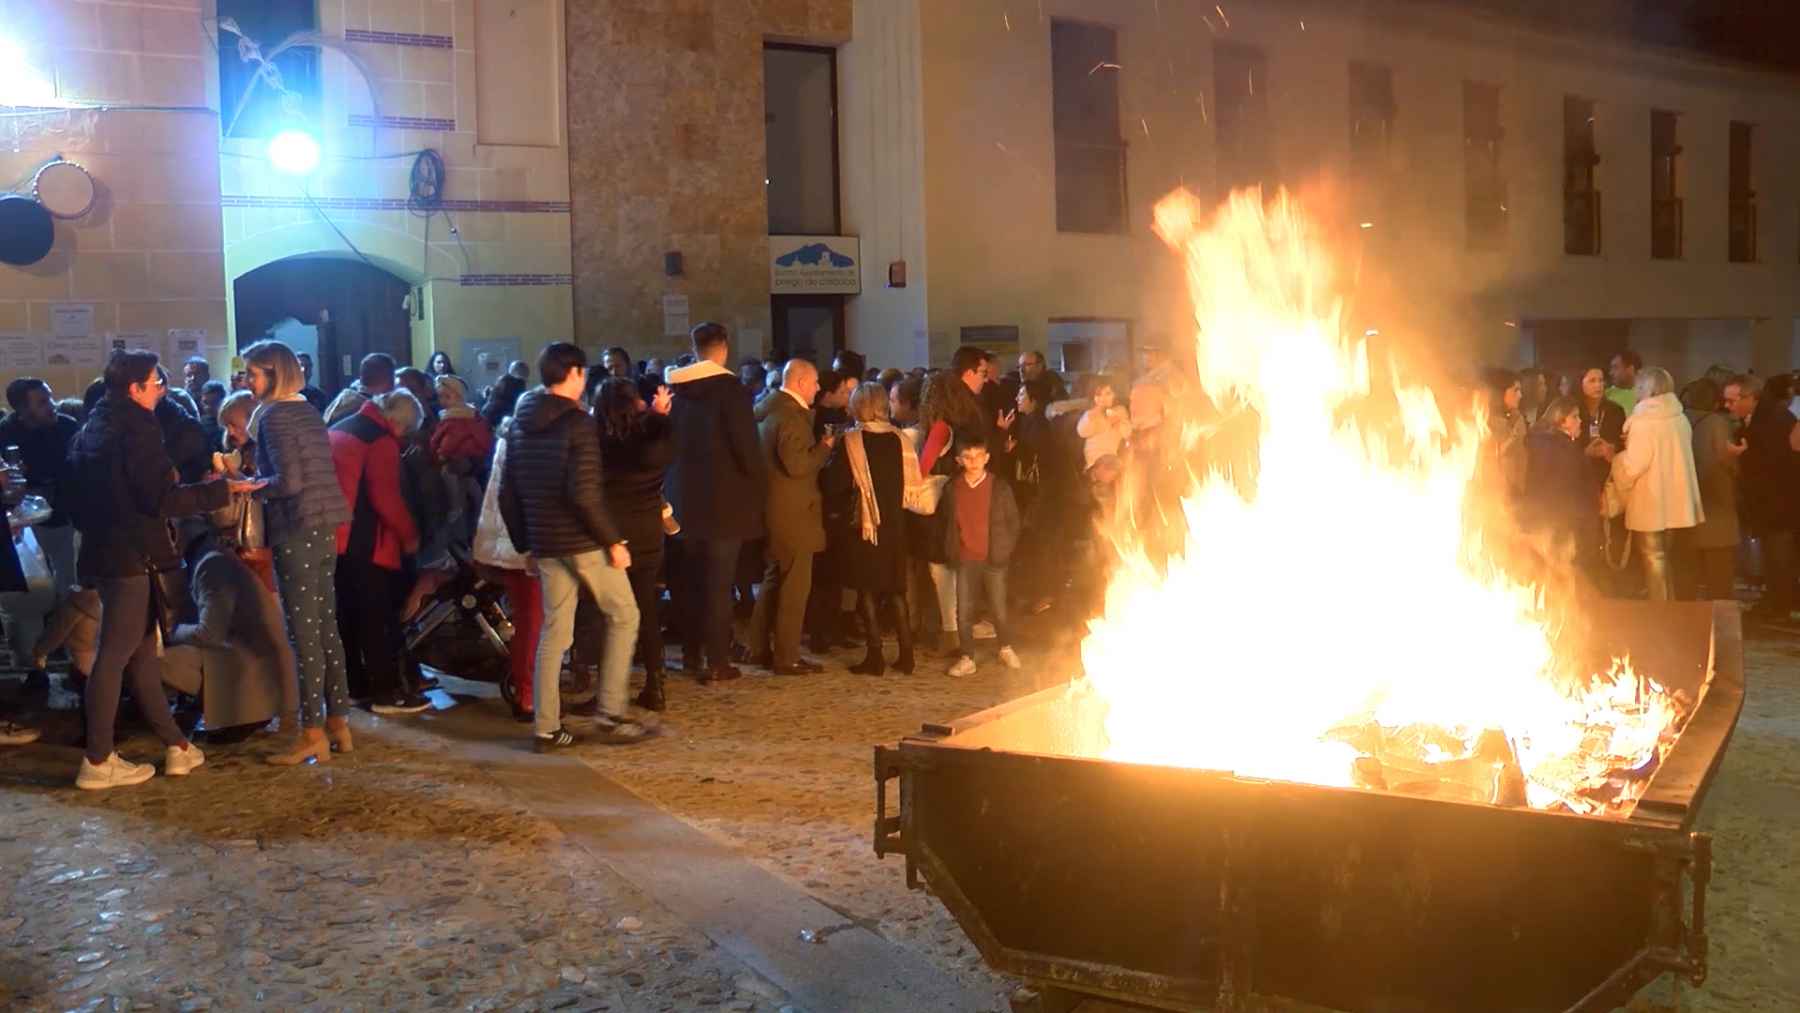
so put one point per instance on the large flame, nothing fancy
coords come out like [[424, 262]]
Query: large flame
[[1341, 586]]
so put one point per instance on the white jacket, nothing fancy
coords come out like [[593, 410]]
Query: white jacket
[[1655, 472], [492, 545]]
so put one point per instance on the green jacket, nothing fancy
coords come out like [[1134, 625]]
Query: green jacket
[[794, 459]]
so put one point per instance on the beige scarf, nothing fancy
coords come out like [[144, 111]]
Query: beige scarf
[[865, 485]]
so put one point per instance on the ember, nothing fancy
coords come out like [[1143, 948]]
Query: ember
[[1331, 615]]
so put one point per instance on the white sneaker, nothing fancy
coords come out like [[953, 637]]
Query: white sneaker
[[179, 762], [964, 667], [983, 630], [12, 734], [114, 772], [1009, 658]]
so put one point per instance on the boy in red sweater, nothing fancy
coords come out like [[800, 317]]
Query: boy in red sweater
[[981, 529]]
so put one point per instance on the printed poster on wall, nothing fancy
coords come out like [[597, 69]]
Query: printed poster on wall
[[677, 317], [85, 352], [21, 353], [71, 320], [130, 339], [183, 345], [815, 265]]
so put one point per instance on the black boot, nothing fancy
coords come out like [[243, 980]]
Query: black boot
[[903, 631], [872, 663], [651, 697]]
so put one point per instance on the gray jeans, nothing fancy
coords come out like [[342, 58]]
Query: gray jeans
[[561, 579], [128, 646]]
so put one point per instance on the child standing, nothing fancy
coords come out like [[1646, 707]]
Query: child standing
[[981, 529], [1103, 427]]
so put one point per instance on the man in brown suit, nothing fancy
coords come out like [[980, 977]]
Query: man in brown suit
[[796, 531]]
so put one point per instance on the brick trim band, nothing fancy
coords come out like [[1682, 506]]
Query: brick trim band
[[517, 207], [402, 122], [399, 38], [499, 280]]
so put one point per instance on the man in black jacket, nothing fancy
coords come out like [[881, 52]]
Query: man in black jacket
[[550, 500], [128, 493], [717, 486]]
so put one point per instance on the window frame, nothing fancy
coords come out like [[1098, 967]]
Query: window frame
[[1118, 145], [837, 155]]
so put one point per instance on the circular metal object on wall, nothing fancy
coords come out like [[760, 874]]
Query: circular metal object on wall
[[26, 230], [64, 189]]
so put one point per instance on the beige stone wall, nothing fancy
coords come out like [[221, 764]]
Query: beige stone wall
[[146, 258], [666, 153], [509, 274]]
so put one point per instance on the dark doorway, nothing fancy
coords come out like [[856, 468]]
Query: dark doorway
[[807, 327], [358, 309]]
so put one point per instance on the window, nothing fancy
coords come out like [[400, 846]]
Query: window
[[1090, 150], [1665, 186], [1241, 121], [1484, 185], [1743, 194], [800, 130], [1371, 116], [260, 109], [1581, 200]]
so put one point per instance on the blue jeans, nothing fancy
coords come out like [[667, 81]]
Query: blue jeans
[[973, 580], [306, 572], [561, 579]]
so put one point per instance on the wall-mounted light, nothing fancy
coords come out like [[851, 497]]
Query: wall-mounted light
[[20, 82], [897, 274], [672, 265], [294, 152]]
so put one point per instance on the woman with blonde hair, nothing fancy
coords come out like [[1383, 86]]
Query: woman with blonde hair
[[303, 505], [1654, 476], [871, 469]]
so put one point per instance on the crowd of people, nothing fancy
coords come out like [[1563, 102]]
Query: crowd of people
[[775, 506]]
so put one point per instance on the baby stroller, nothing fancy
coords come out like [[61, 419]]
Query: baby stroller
[[458, 622]]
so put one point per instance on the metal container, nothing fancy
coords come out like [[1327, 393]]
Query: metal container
[[1191, 889]]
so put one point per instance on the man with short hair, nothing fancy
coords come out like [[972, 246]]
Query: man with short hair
[[552, 505], [42, 436], [1033, 366], [796, 531], [194, 374], [212, 395], [376, 374], [833, 401], [717, 486], [1624, 369], [617, 362], [313, 395], [1769, 487]]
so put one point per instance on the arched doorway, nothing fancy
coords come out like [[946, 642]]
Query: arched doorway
[[356, 308]]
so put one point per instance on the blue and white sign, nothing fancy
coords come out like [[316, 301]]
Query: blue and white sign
[[815, 265]]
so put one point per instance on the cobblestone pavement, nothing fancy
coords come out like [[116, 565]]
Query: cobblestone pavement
[[402, 877]]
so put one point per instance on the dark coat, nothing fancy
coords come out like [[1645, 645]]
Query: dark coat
[[1560, 496], [718, 482], [632, 470], [46, 456], [865, 566], [551, 490], [1770, 471], [795, 458], [122, 491], [1003, 521], [185, 440]]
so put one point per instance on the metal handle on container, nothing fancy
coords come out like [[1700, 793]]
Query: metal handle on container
[[1701, 874], [887, 828]]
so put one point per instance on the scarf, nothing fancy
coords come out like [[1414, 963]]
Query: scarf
[[865, 484]]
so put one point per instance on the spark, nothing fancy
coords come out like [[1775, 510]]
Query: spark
[[1102, 65], [1371, 332], [1214, 28], [1222, 16], [1203, 107], [1303, 24], [1368, 225], [1006, 18], [1145, 123], [1250, 77], [1509, 323]]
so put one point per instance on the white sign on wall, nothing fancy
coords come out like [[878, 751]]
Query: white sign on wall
[[815, 265]]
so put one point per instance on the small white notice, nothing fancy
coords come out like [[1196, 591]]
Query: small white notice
[[677, 319], [20, 353], [71, 320], [87, 351], [130, 339], [183, 345]]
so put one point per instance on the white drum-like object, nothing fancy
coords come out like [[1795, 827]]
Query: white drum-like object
[[64, 189]]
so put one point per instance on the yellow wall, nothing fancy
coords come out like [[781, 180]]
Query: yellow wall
[[146, 258], [499, 237]]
